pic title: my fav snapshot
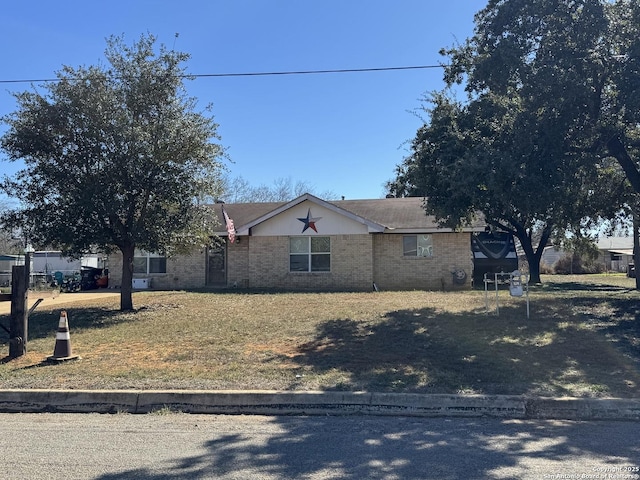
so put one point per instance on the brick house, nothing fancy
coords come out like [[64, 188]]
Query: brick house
[[313, 244]]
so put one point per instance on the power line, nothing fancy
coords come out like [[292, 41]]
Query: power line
[[310, 72], [263, 74]]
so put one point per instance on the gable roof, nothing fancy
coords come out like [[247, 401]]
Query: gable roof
[[397, 215], [371, 225]]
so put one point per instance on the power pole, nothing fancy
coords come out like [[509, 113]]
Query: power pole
[[19, 323]]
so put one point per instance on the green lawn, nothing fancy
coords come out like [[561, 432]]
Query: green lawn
[[582, 339]]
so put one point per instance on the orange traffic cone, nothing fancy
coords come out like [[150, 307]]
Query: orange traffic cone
[[62, 350]]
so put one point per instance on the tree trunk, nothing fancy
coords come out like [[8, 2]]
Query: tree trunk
[[636, 246], [619, 152], [126, 287], [533, 257], [534, 269]]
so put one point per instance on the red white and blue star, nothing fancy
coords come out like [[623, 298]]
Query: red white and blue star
[[309, 222]]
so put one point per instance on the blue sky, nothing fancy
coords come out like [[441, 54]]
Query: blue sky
[[343, 133]]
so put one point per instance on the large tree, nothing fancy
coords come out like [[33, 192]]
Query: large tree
[[531, 144], [489, 156], [574, 61], [115, 158]]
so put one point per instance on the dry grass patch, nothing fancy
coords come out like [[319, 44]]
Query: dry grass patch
[[582, 339]]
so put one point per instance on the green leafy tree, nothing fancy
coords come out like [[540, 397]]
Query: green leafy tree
[[488, 156], [576, 63], [583, 253], [116, 158], [10, 243], [527, 148]]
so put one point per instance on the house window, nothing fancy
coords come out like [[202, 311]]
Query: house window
[[146, 263], [309, 254], [417, 246]]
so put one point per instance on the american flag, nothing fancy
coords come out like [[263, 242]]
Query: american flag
[[231, 229]]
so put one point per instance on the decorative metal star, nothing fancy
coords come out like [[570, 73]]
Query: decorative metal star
[[309, 222]]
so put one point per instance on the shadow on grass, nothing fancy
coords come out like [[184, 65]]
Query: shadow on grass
[[626, 331], [551, 286], [42, 324], [561, 350]]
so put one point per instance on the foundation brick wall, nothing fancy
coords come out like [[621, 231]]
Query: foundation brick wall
[[394, 271]]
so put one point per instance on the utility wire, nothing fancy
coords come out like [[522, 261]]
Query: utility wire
[[262, 74], [309, 72]]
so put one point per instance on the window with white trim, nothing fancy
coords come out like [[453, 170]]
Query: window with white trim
[[146, 263], [417, 246], [309, 254]]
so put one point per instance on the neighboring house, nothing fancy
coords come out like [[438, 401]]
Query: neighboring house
[[44, 264], [47, 262], [6, 264], [616, 253], [312, 244], [550, 256], [8, 261]]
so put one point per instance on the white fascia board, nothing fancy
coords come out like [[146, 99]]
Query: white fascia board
[[434, 230]]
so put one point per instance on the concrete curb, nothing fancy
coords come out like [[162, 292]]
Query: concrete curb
[[260, 402]]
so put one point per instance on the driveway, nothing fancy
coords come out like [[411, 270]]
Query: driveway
[[53, 298]]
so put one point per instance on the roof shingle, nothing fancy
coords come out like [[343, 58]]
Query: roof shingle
[[393, 213]]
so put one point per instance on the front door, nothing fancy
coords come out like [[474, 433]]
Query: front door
[[216, 266]]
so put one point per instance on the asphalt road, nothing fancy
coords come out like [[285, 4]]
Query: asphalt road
[[183, 446]]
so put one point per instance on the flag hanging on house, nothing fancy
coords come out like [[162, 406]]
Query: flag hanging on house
[[231, 229]]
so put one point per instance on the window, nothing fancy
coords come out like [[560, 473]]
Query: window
[[309, 254], [417, 246], [146, 263]]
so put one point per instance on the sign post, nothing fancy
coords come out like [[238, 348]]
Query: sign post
[[518, 284]]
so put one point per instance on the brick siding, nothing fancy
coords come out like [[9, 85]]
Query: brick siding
[[394, 271], [183, 271], [263, 262]]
